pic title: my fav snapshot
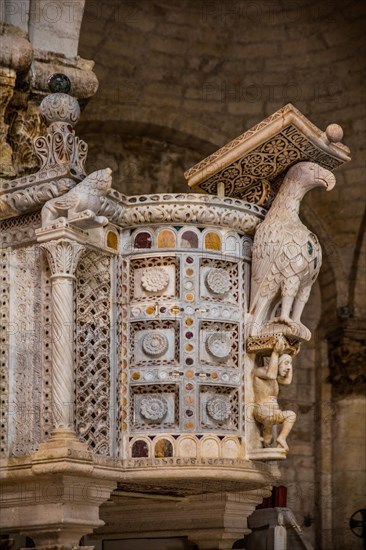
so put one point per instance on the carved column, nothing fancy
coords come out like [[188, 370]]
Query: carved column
[[347, 358], [63, 256]]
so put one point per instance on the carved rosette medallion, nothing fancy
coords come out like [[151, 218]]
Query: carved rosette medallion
[[153, 407], [219, 407], [155, 344], [154, 279], [219, 345], [218, 281]]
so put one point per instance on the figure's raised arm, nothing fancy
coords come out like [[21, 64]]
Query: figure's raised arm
[[270, 372]]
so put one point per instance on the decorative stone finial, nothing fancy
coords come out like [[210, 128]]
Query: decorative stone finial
[[334, 133], [59, 106]]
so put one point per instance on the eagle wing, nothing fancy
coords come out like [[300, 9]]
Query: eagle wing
[[67, 201], [267, 247]]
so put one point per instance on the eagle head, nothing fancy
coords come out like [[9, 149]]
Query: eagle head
[[310, 175]]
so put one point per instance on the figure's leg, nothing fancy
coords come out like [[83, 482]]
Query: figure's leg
[[287, 425], [264, 416], [267, 433]]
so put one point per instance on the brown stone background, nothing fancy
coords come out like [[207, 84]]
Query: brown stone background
[[178, 79]]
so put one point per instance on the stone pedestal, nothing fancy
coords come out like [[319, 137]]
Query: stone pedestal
[[54, 496], [212, 521]]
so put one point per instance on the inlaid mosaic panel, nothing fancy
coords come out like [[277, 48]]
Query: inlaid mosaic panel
[[180, 319]]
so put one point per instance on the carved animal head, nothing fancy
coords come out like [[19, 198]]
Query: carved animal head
[[101, 180], [310, 175]]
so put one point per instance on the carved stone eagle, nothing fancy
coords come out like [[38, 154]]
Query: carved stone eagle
[[286, 254]]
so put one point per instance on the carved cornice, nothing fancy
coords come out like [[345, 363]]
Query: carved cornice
[[253, 164], [63, 256], [33, 197], [181, 208], [347, 358]]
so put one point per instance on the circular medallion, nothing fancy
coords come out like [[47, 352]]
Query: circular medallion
[[218, 280], [153, 407], [155, 344], [219, 407], [219, 345], [154, 279]]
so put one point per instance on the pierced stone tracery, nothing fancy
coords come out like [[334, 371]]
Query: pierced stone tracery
[[92, 375]]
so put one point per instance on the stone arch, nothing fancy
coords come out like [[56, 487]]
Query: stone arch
[[154, 124], [145, 157]]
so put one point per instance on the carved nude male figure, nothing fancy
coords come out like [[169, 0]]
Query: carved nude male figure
[[266, 387]]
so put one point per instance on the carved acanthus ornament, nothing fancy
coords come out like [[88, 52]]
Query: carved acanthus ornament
[[26, 125], [15, 57], [63, 257], [7, 83], [264, 345]]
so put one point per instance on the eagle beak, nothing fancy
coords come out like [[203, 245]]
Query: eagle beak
[[328, 182]]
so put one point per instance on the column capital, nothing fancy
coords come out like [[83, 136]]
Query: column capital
[[347, 357], [63, 256]]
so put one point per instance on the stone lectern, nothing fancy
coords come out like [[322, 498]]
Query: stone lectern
[[145, 338]]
